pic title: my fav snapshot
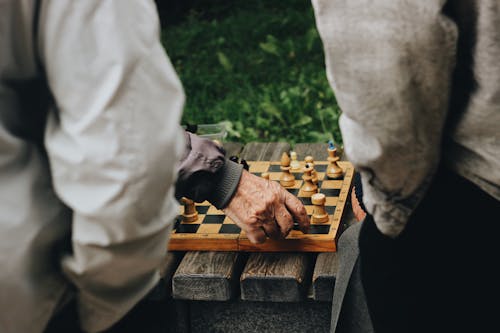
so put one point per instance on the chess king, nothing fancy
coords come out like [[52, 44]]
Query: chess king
[[334, 171]]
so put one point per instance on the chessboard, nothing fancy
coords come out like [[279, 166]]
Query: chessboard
[[214, 231]]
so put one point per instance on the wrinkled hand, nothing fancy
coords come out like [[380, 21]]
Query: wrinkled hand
[[263, 208]]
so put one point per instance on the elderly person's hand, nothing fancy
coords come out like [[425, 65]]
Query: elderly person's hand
[[264, 208]]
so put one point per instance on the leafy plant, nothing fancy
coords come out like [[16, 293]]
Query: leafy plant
[[257, 66]]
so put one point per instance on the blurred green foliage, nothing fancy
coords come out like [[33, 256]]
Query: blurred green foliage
[[257, 65]]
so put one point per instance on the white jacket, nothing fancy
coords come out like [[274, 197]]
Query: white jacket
[[419, 85], [107, 175]]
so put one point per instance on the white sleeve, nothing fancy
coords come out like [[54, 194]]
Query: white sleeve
[[390, 63], [113, 141]]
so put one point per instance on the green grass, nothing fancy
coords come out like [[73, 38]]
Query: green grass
[[259, 66]]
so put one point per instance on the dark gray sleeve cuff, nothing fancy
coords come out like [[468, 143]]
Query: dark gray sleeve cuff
[[228, 178]]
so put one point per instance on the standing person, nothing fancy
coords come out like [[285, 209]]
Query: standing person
[[90, 153], [419, 86]]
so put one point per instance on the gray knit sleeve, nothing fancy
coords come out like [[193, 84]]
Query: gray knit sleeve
[[204, 172]]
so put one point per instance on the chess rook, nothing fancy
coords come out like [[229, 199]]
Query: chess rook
[[190, 213], [319, 214], [286, 177]]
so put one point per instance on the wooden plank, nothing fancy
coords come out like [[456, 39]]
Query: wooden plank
[[220, 280], [325, 273], [276, 277], [215, 275], [207, 276], [326, 266], [267, 278], [264, 151], [232, 148]]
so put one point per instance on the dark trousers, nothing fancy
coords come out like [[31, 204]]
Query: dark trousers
[[438, 275], [148, 316]]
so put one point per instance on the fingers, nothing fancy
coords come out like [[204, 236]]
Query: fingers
[[272, 229], [256, 235], [263, 208], [285, 222], [297, 211]]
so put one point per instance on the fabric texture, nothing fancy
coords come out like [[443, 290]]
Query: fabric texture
[[395, 66], [418, 85], [205, 173], [349, 309], [87, 178]]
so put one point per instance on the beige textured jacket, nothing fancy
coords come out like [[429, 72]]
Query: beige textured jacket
[[419, 84], [110, 147]]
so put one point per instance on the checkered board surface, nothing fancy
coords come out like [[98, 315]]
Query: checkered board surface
[[214, 231]]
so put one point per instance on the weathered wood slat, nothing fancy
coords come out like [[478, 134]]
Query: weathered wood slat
[[276, 277], [325, 269], [326, 266], [264, 151], [279, 276], [232, 148], [209, 275], [325, 273]]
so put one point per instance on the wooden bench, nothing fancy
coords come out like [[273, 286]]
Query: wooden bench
[[241, 292]]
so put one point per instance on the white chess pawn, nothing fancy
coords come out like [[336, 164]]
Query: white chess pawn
[[286, 178], [294, 164], [333, 171], [319, 215], [310, 160]]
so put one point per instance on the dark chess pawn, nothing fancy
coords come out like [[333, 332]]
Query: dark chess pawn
[[245, 165], [235, 159], [190, 213]]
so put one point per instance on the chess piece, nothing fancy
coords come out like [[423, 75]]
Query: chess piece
[[294, 164], [310, 160], [319, 214], [265, 175], [309, 188], [333, 170], [286, 177], [245, 165], [190, 213]]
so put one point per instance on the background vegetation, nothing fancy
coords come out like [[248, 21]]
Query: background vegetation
[[258, 65]]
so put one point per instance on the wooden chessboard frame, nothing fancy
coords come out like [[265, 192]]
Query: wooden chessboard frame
[[208, 240]]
